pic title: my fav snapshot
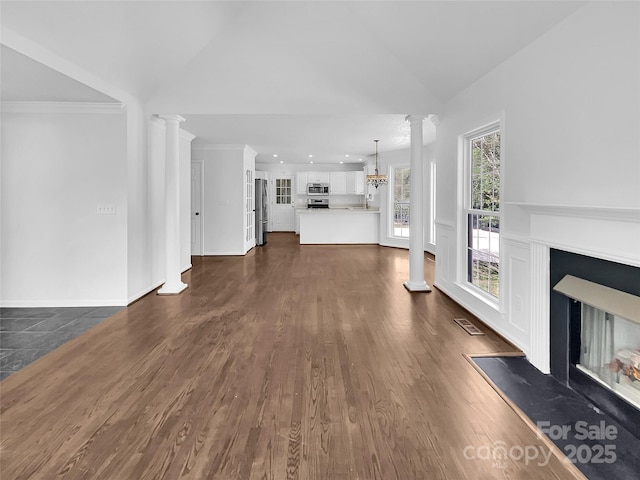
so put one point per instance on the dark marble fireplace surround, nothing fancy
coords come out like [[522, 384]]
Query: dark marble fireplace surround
[[565, 329]]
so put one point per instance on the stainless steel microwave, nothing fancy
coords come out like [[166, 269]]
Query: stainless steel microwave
[[317, 189]]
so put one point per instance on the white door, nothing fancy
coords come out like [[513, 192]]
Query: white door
[[249, 211], [196, 212], [282, 203]]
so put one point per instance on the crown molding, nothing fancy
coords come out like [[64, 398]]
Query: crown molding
[[62, 107], [250, 151], [186, 135], [630, 214], [219, 147]]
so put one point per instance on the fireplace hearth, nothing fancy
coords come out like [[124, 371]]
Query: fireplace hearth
[[596, 351]]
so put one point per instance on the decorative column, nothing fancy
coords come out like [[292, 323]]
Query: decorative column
[[173, 282], [416, 281]]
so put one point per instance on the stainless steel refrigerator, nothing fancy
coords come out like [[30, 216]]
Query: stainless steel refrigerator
[[261, 211]]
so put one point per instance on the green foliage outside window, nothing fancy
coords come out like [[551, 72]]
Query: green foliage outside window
[[484, 222]]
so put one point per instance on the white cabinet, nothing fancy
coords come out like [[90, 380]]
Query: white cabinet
[[302, 178], [360, 183], [318, 177], [297, 228], [354, 183], [338, 183]]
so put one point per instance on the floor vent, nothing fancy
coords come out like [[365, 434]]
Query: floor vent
[[469, 327]]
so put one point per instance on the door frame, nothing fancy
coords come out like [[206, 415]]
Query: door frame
[[272, 200], [197, 207]]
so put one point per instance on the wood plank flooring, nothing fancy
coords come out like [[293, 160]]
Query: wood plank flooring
[[293, 362]]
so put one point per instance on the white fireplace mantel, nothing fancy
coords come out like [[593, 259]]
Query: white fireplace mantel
[[609, 233], [620, 213]]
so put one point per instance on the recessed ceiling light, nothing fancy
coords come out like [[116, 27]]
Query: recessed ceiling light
[[341, 162], [311, 161], [275, 155], [347, 155], [281, 161], [359, 159], [310, 156]]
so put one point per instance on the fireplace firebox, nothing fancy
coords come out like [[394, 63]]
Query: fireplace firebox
[[595, 349]]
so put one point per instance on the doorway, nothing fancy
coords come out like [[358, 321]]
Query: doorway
[[282, 204], [196, 208]]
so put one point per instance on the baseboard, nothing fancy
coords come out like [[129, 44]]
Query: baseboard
[[392, 244], [143, 292], [85, 302], [223, 254], [460, 301], [108, 302]]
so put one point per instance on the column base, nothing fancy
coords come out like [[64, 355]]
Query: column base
[[173, 289], [417, 286]]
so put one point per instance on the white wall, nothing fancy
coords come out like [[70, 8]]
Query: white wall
[[138, 227], [155, 235], [56, 169], [570, 103], [222, 207], [142, 181], [185, 199]]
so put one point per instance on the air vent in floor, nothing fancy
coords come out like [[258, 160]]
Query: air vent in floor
[[469, 327]]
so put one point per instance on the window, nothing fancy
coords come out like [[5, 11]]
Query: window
[[483, 210], [432, 216], [283, 191], [401, 186]]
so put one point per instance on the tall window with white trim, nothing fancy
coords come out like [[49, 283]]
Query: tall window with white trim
[[432, 215], [401, 199], [483, 210]]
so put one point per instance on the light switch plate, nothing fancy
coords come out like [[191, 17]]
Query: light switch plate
[[106, 209]]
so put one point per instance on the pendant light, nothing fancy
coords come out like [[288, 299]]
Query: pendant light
[[376, 180]]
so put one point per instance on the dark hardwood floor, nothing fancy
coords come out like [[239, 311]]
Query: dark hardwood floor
[[293, 362]]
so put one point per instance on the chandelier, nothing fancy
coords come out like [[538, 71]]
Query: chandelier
[[376, 180]]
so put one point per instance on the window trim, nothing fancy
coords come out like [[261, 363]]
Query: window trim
[[279, 188], [390, 201], [464, 208], [433, 173]]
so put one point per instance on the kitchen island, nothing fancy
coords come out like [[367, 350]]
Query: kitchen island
[[339, 225]]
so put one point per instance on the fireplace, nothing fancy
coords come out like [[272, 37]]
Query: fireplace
[[595, 349]]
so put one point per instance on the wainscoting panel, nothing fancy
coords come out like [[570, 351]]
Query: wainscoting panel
[[516, 290]]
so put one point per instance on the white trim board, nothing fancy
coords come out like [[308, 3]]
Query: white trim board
[[62, 107], [64, 303]]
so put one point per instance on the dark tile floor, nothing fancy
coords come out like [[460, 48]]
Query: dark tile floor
[[568, 418], [27, 334]]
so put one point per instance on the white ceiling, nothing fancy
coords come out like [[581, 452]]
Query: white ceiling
[[25, 80], [329, 138], [308, 71]]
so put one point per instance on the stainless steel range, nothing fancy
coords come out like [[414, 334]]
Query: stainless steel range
[[318, 202]]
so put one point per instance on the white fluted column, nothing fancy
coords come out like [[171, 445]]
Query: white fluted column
[[540, 331], [173, 282], [416, 282]]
